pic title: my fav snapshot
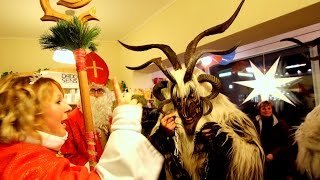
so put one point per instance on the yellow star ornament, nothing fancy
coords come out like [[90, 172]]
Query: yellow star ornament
[[266, 84]]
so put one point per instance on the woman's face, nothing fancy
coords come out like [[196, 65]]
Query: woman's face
[[266, 110], [54, 112]]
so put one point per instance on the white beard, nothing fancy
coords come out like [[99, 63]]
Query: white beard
[[101, 108]]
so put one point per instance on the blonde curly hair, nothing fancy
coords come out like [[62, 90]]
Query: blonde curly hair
[[17, 109], [20, 106]]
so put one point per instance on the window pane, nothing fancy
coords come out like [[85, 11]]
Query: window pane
[[293, 62]]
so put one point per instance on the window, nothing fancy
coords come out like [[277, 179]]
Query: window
[[293, 62]]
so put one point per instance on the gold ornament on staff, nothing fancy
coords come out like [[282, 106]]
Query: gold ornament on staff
[[51, 15], [73, 33]]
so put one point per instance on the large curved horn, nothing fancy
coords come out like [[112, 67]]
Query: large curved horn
[[215, 83], [208, 103], [188, 75], [191, 48], [215, 52], [308, 44], [297, 41], [162, 103], [156, 91], [159, 63], [171, 55]]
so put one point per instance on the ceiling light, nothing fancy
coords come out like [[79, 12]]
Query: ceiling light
[[245, 74], [295, 66], [64, 56], [225, 74], [205, 61]]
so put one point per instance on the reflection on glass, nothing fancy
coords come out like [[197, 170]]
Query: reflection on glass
[[292, 63]]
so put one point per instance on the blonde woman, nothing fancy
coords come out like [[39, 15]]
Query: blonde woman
[[31, 134]]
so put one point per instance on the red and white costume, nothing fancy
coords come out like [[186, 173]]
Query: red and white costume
[[128, 155], [75, 147]]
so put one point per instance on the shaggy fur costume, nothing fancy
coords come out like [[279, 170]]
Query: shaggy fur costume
[[307, 137], [225, 144]]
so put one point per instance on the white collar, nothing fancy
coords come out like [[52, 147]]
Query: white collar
[[275, 121], [48, 140]]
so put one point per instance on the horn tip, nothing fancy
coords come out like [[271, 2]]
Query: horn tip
[[128, 67]]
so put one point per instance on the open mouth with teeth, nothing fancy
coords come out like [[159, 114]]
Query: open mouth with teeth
[[189, 120], [190, 110]]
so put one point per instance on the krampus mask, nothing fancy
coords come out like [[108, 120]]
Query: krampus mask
[[184, 94]]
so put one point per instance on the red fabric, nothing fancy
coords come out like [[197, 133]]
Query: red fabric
[[28, 161], [75, 148], [79, 55], [97, 69]]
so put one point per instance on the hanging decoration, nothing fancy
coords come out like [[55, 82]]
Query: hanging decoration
[[266, 84], [228, 58], [213, 59]]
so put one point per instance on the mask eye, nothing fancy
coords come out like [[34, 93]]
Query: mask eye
[[177, 103]]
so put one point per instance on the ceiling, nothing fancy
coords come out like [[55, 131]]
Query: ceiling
[[116, 17], [119, 17]]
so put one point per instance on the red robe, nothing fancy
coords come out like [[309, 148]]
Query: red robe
[[28, 161], [75, 147]]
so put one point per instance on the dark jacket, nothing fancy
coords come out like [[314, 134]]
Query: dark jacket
[[276, 139]]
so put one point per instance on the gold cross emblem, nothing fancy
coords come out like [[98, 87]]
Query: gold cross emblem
[[95, 69]]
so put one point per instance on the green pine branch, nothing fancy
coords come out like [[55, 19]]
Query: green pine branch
[[70, 35]]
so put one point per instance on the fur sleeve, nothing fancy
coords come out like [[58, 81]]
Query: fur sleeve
[[165, 145], [216, 145]]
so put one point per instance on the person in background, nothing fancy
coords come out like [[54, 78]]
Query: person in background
[[101, 99], [31, 134], [276, 142], [307, 137]]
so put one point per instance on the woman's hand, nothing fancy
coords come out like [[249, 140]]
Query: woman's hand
[[168, 123], [127, 115]]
